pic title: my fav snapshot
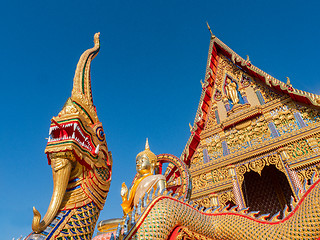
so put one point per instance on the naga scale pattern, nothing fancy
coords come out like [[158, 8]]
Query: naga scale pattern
[[165, 214]]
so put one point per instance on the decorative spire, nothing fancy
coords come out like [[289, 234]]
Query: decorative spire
[[210, 29], [147, 145]]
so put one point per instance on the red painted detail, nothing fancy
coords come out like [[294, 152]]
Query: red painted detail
[[205, 106], [56, 123], [229, 213], [171, 173], [173, 235], [160, 168], [173, 188]]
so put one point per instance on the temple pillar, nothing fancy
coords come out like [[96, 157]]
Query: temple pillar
[[236, 188], [292, 175], [313, 144], [214, 200]]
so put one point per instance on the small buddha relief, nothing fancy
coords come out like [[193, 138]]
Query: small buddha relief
[[231, 91], [217, 95]]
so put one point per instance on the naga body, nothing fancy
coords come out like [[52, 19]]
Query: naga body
[[81, 163], [169, 217]]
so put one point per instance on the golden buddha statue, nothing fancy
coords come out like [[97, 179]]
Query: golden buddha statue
[[146, 162], [231, 89]]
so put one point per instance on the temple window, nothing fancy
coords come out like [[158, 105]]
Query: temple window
[[273, 129], [260, 97], [299, 120], [225, 148], [216, 113], [205, 156]]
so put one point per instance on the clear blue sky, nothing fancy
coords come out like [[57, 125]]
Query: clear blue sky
[[145, 78]]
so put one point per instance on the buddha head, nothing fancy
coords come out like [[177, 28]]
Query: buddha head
[[146, 161]]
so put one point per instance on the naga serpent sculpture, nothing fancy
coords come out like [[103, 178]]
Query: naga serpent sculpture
[[169, 217], [81, 164]]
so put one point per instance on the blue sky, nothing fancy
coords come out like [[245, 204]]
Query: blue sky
[[145, 80]]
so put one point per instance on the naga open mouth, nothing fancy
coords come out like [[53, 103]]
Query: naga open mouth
[[71, 131]]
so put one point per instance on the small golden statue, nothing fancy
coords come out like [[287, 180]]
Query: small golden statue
[[231, 89], [146, 162]]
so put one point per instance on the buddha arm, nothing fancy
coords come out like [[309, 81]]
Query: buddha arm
[[161, 184]]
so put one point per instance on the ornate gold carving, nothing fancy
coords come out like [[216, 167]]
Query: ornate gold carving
[[267, 93], [284, 120], [197, 158], [239, 108], [299, 148], [211, 122], [226, 197], [306, 174], [243, 124], [214, 147], [255, 133], [207, 201], [225, 66], [258, 166], [309, 115], [220, 174], [199, 181]]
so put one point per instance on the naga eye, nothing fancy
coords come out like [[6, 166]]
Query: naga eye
[[100, 133]]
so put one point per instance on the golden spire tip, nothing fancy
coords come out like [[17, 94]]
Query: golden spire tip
[[209, 28], [147, 145]]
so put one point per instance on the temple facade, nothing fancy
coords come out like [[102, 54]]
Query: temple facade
[[255, 140]]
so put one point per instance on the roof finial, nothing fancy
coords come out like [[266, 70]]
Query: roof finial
[[248, 59], [147, 145], [209, 29], [288, 82]]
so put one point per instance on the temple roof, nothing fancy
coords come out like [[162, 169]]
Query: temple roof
[[218, 47]]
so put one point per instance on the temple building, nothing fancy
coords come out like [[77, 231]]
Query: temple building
[[254, 144], [255, 139]]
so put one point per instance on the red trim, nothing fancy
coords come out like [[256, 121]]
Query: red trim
[[205, 106], [173, 235], [227, 213]]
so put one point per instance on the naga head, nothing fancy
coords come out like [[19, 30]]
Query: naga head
[[77, 149]]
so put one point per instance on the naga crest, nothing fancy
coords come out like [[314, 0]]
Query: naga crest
[[81, 164]]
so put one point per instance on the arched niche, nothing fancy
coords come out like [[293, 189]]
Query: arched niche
[[268, 192]]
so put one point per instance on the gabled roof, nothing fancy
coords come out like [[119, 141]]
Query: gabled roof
[[218, 47]]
